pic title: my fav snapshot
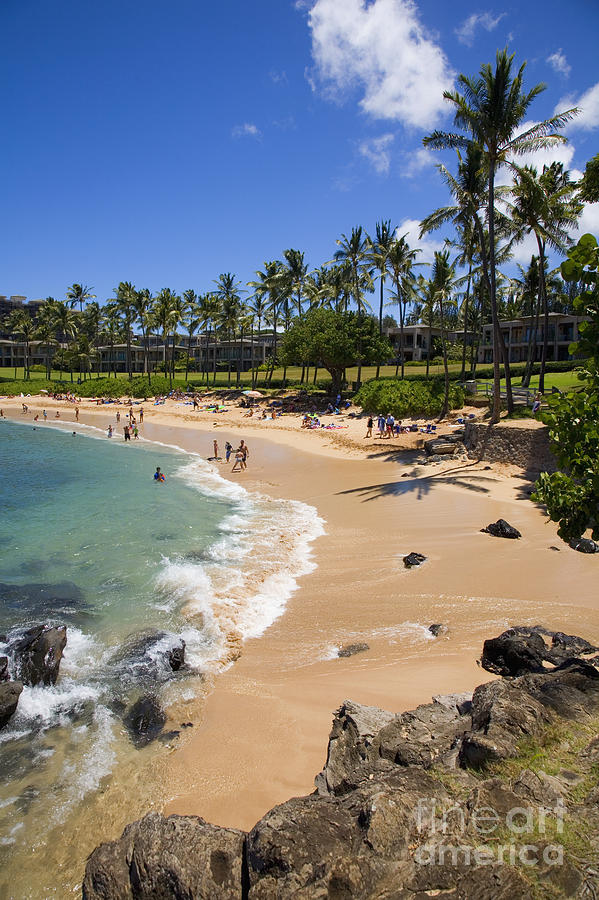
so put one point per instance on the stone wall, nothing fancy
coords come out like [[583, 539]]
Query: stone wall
[[518, 443]]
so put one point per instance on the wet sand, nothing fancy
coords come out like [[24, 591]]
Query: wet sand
[[261, 735]]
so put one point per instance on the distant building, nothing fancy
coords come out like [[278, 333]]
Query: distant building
[[519, 333], [416, 340]]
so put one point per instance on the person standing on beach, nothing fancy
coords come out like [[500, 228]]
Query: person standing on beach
[[381, 424], [215, 445], [369, 425], [76, 413], [110, 431], [228, 451], [127, 433], [118, 416], [244, 454], [141, 415], [45, 415]]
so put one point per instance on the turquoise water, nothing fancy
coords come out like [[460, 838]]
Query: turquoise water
[[132, 568]]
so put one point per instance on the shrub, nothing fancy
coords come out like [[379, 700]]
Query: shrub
[[407, 398]]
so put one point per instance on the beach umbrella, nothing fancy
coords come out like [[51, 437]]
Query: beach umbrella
[[43, 391], [253, 394]]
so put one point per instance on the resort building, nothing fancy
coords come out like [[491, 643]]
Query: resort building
[[416, 340], [17, 302], [519, 333]]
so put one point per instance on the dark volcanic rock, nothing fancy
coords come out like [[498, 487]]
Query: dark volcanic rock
[[145, 720], [350, 649], [148, 657], [413, 559], [180, 857], [437, 629], [10, 691], [503, 529], [37, 653], [584, 545], [513, 653], [4, 676]]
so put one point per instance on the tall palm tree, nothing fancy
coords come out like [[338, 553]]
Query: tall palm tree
[[126, 296], [21, 325], [67, 323], [401, 261], [545, 204], [227, 291], [192, 319], [79, 293], [295, 275], [142, 309], [491, 109], [91, 318], [166, 316], [443, 286], [271, 283], [208, 314], [258, 309], [379, 256], [355, 251]]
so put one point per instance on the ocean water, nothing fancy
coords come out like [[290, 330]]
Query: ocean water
[[131, 567]]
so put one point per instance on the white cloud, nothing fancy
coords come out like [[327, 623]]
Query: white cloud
[[559, 63], [248, 129], [588, 103], [523, 251], [382, 48], [376, 151], [417, 161], [468, 27], [427, 245], [561, 152], [589, 221], [278, 77]]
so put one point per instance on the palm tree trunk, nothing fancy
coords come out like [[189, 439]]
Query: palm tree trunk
[[543, 297], [378, 368], [466, 304], [445, 408]]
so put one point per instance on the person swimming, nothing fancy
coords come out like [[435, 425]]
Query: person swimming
[[158, 475]]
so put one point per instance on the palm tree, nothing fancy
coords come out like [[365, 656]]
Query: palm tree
[[166, 317], [379, 256], [442, 287], [270, 283], [208, 313], [401, 261], [491, 109], [142, 310], [91, 324], [79, 293], [20, 324], [545, 205], [192, 319], [67, 325], [295, 274], [126, 296], [355, 251], [425, 311], [227, 291], [258, 309]]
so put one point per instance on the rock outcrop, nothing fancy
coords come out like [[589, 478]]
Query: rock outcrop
[[10, 691], [352, 649], [37, 653], [413, 559], [396, 792], [145, 719], [502, 529]]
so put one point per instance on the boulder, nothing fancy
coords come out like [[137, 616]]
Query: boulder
[[413, 559], [10, 691], [503, 529], [145, 719], [584, 545], [174, 857], [441, 446], [437, 629], [176, 656], [350, 649], [354, 728], [148, 657], [514, 653], [37, 653]]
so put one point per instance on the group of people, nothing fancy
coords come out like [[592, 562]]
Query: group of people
[[241, 455]]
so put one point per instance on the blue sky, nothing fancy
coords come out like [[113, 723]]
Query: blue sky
[[164, 143]]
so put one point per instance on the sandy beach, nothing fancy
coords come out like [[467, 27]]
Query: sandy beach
[[260, 737]]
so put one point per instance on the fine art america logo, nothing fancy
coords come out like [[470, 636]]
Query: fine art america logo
[[515, 837]]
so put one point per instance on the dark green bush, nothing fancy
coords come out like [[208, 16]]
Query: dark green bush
[[404, 398]]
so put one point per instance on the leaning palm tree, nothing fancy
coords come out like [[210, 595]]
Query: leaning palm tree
[[545, 204], [79, 293], [491, 109], [355, 251]]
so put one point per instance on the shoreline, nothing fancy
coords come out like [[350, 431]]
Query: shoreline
[[264, 726]]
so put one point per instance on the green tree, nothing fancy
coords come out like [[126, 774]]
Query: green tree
[[21, 325], [443, 287], [126, 297], [380, 247], [572, 495], [491, 109], [354, 250], [589, 185], [334, 340], [192, 319], [401, 261], [227, 291], [79, 293], [166, 314]]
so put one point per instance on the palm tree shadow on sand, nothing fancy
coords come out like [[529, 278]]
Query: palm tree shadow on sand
[[422, 485]]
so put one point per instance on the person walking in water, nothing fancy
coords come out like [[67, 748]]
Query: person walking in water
[[127, 433], [110, 431]]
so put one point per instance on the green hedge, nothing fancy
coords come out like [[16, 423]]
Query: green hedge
[[407, 398]]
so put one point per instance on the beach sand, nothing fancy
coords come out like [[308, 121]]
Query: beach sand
[[261, 734]]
